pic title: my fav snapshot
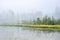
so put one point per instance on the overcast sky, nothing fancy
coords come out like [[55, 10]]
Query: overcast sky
[[28, 6]]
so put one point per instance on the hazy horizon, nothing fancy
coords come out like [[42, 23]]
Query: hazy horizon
[[28, 9]]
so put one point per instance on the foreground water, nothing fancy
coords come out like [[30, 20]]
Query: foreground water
[[21, 33]]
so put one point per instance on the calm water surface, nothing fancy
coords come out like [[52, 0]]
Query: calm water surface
[[21, 33]]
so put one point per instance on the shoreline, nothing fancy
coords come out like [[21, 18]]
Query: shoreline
[[34, 26]]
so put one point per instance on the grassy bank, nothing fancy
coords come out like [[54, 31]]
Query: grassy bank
[[34, 26]]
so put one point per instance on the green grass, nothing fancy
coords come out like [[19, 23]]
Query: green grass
[[34, 26]]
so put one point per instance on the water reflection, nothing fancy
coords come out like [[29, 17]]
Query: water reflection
[[19, 33]]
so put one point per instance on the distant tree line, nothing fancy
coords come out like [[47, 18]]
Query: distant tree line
[[43, 21]]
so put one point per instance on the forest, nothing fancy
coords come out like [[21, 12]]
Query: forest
[[43, 21]]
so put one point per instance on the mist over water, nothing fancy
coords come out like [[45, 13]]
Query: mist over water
[[12, 11], [20, 33], [16, 11]]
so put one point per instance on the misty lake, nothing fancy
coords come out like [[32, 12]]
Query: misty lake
[[22, 33]]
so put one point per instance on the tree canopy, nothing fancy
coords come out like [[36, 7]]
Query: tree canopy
[[44, 21]]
